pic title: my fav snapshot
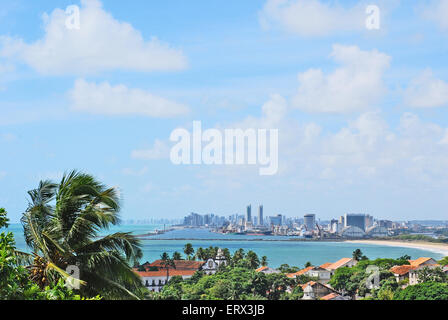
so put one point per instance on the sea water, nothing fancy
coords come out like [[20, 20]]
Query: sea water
[[279, 250]]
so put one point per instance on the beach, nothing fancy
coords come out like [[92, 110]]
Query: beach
[[440, 248]]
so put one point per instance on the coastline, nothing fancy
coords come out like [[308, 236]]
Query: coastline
[[429, 246]]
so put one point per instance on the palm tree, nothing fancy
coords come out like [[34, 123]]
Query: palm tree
[[201, 254], [252, 259], [167, 263], [264, 261], [188, 250], [177, 256], [357, 254], [64, 226]]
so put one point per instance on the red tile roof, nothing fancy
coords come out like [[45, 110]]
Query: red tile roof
[[162, 273], [326, 265], [330, 296], [261, 269], [402, 270], [339, 263], [299, 273], [310, 283], [419, 261]]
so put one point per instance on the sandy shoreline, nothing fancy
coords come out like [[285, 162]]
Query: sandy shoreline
[[434, 247]]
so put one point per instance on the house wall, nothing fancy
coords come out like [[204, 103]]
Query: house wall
[[157, 283]]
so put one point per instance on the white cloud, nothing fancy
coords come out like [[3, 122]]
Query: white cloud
[[426, 91], [311, 17], [102, 43], [135, 173], [444, 140], [354, 86], [160, 150], [365, 150], [106, 99], [437, 11]]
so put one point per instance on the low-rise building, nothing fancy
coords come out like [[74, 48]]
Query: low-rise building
[[352, 232], [401, 272], [155, 280], [344, 262], [410, 271], [323, 275], [377, 231], [334, 296], [155, 275], [267, 270], [314, 290]]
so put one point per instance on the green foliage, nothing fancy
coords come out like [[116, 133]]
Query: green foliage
[[417, 237], [358, 256], [431, 275], [444, 261], [424, 291], [231, 283], [3, 219], [188, 250], [15, 281], [62, 226], [264, 261], [177, 256], [286, 268]]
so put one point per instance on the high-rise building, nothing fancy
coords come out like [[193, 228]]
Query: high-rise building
[[260, 215], [369, 221], [276, 220], [249, 213], [356, 219], [334, 226], [310, 221]]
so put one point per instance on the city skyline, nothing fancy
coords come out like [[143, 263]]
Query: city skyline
[[360, 112]]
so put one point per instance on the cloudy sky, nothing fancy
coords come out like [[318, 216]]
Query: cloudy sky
[[362, 114]]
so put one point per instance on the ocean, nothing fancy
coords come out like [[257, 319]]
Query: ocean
[[279, 250]]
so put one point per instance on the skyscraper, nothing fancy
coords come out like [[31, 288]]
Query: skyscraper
[[260, 215], [276, 220], [249, 213], [356, 219], [310, 221]]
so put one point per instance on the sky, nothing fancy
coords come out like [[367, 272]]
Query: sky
[[361, 113]]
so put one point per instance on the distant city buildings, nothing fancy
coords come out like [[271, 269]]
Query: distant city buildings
[[309, 221], [276, 220], [249, 214], [260, 215], [348, 225], [355, 220]]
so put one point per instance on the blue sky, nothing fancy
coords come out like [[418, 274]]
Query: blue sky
[[361, 114]]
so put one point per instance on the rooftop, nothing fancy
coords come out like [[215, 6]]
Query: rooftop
[[402, 270], [330, 296], [162, 273], [299, 273], [339, 263]]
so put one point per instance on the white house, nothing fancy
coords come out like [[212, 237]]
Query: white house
[[156, 275], [323, 275], [212, 265]]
